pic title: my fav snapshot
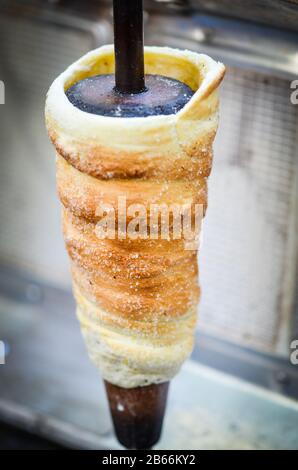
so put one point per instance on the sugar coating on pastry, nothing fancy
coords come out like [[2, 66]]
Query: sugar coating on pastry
[[136, 299]]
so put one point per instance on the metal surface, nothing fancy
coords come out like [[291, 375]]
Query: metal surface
[[243, 45], [12, 438], [278, 13]]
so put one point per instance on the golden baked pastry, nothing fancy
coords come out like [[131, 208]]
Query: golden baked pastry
[[136, 299]]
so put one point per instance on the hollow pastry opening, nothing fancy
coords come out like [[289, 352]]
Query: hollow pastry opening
[[164, 63], [170, 84]]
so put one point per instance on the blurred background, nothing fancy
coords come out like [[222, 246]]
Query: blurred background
[[240, 389]]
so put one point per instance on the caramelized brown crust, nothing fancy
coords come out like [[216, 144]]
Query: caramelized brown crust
[[122, 259], [83, 195], [102, 163]]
